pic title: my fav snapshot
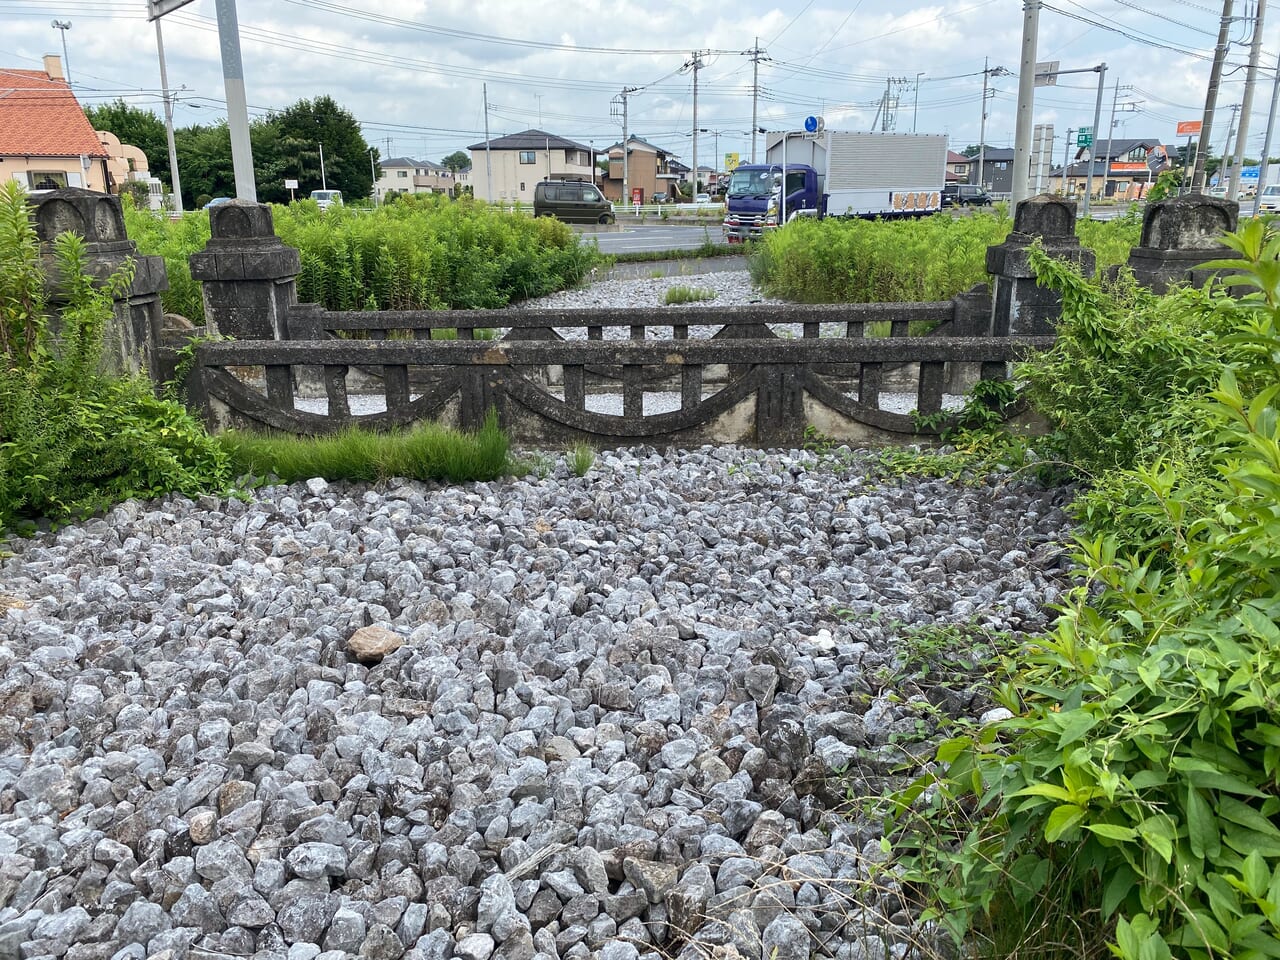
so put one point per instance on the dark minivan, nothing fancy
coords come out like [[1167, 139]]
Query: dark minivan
[[965, 194], [575, 201]]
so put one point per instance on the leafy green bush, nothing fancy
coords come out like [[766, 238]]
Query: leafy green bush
[[422, 252], [686, 294], [72, 438], [933, 258], [425, 452], [1131, 803]]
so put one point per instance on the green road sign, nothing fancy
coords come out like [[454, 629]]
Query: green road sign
[[1084, 137]]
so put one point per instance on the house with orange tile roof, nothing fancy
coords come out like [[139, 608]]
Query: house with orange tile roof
[[46, 141]]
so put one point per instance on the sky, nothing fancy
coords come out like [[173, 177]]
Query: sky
[[413, 73]]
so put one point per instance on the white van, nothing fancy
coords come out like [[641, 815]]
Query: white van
[[1269, 201], [327, 198]]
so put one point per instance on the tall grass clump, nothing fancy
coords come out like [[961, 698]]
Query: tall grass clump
[[874, 261], [1130, 804], [420, 253], [427, 451], [75, 438]]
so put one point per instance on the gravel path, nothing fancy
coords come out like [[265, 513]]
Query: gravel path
[[555, 718]]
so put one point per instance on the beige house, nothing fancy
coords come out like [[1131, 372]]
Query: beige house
[[517, 162], [46, 142]]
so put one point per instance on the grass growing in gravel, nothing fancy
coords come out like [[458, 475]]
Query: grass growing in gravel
[[682, 294], [426, 452], [581, 459]]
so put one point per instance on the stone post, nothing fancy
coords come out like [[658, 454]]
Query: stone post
[[248, 273], [134, 336], [1021, 307], [1179, 234]]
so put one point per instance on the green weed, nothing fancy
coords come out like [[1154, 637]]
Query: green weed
[[581, 458], [682, 294]]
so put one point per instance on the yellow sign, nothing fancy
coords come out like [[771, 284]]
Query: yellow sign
[[730, 161]]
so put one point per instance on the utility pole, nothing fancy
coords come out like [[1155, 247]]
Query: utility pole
[[1266, 146], [756, 56], [1211, 97], [323, 183], [488, 164], [168, 123], [1251, 78], [987, 72], [915, 110], [1093, 147], [1111, 132], [695, 64], [1026, 102], [1226, 147], [618, 105]]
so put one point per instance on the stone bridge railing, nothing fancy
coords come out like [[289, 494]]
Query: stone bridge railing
[[688, 374]]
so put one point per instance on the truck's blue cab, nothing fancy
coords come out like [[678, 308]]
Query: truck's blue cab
[[753, 200]]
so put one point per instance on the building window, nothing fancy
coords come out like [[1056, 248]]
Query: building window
[[1002, 165], [528, 156], [522, 186], [46, 179], [402, 173], [576, 158]]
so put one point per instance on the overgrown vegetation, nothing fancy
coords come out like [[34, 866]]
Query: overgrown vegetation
[[933, 258], [582, 456], [73, 437], [421, 253], [1130, 805], [425, 452]]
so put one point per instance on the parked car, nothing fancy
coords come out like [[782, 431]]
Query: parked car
[[574, 201], [702, 198], [964, 195], [1269, 202], [327, 198], [659, 197]]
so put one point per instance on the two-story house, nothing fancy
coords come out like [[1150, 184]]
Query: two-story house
[[508, 168], [406, 175], [958, 166], [647, 170], [46, 142], [997, 169]]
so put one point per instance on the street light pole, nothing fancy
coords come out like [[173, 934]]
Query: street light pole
[[64, 26]]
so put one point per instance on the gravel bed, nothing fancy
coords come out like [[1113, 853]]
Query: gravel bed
[[551, 717]]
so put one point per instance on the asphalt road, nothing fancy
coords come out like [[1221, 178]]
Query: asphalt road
[[657, 236]]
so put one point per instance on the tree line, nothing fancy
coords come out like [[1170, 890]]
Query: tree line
[[286, 145]]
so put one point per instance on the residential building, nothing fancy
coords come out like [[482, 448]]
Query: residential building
[[46, 141], [406, 175], [958, 167], [1120, 169], [997, 169], [647, 170], [518, 161]]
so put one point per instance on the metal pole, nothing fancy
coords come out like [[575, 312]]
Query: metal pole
[[982, 127], [1266, 145], [1093, 147], [237, 106], [1111, 132], [1066, 160], [1226, 147], [1251, 78], [373, 173], [168, 123], [782, 205], [915, 110], [323, 184], [488, 165], [1211, 97], [626, 158], [64, 26], [1026, 102]]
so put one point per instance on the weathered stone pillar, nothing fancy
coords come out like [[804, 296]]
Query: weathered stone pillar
[[248, 273], [134, 336], [1178, 235], [1020, 307]]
